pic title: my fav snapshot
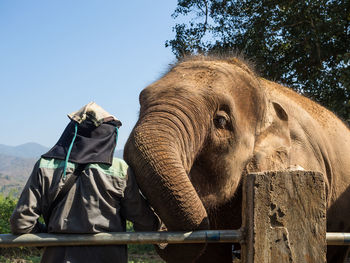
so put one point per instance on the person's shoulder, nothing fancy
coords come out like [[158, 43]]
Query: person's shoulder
[[119, 168], [50, 163], [120, 165]]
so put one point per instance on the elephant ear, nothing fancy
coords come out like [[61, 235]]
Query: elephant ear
[[272, 143]]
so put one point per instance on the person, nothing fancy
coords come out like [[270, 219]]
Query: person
[[102, 192]]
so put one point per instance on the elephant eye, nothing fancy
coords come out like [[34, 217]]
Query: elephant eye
[[221, 120]]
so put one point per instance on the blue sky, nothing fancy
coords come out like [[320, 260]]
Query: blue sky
[[56, 56]]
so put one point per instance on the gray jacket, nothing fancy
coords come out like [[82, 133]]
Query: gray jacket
[[101, 200]]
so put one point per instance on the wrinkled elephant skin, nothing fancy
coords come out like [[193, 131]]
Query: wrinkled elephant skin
[[208, 122]]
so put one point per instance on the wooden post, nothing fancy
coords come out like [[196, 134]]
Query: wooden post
[[284, 217]]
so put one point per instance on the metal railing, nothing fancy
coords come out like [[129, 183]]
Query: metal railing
[[209, 236], [43, 239], [338, 239]]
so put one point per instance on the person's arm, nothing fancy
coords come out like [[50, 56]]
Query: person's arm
[[25, 217], [136, 209]]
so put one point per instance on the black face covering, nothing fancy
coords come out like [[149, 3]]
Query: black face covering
[[91, 145]]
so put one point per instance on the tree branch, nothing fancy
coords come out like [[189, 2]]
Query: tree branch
[[318, 48], [205, 12]]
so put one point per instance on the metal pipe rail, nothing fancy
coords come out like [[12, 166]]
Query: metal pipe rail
[[116, 238], [209, 236], [338, 239]]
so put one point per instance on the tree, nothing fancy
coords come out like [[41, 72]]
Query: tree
[[7, 205], [302, 44]]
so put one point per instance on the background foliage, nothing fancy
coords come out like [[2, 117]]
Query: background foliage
[[7, 204], [302, 44]]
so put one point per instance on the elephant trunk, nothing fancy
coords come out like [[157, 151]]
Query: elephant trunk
[[161, 150]]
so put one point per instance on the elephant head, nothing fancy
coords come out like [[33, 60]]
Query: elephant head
[[200, 126]]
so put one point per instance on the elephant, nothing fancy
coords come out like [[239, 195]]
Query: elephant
[[207, 123]]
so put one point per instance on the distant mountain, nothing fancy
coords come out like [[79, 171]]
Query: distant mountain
[[16, 164], [27, 150], [119, 154], [14, 172]]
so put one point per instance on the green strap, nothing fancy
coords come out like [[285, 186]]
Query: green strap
[[69, 150]]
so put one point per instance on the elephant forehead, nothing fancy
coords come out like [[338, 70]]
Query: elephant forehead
[[213, 83], [191, 81]]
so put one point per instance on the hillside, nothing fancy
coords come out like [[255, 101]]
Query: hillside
[[27, 150], [16, 164], [14, 172]]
